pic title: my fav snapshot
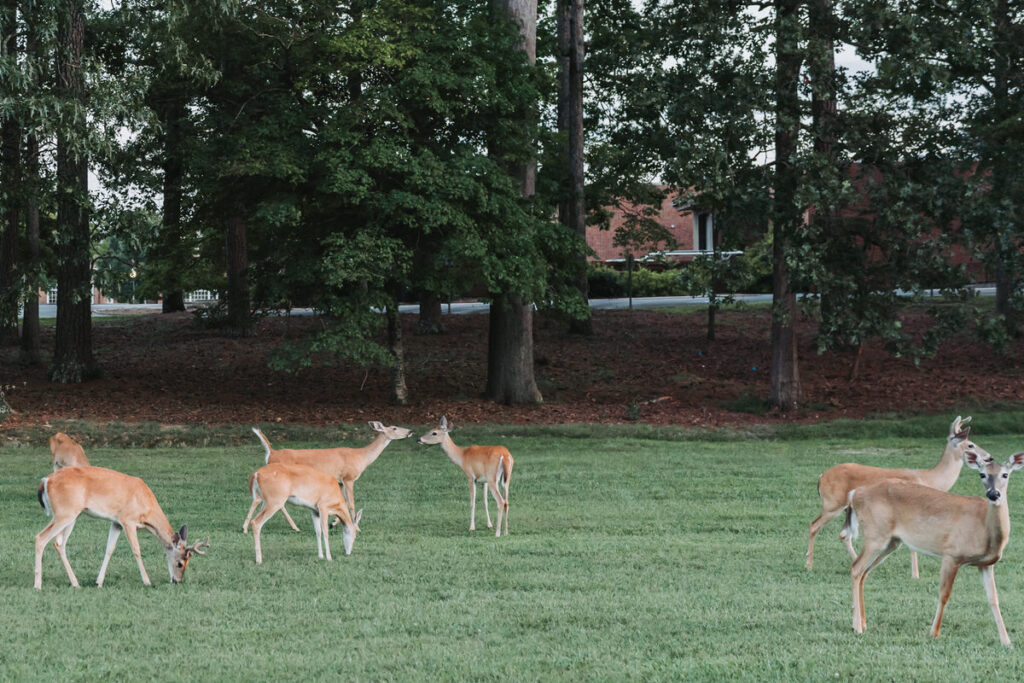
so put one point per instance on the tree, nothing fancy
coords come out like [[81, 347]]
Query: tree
[[10, 179], [510, 377], [571, 207], [72, 357], [31, 344]]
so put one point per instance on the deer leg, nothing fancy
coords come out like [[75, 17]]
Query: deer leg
[[112, 536], [319, 530], [324, 516], [487, 510], [252, 508], [821, 520], [871, 555], [499, 501], [350, 498], [288, 517], [472, 503], [61, 545], [133, 543], [988, 579], [43, 538], [946, 577], [257, 526], [914, 574]]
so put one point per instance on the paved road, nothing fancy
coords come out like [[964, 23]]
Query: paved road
[[466, 308]]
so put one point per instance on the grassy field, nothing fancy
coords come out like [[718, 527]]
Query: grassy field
[[628, 559]]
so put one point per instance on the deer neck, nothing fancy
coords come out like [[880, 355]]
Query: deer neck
[[947, 471], [997, 527], [160, 527], [451, 450], [372, 451]]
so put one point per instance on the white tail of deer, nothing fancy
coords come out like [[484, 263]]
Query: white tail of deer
[[835, 484], [959, 529], [491, 465], [278, 483], [344, 464], [66, 452], [125, 501]]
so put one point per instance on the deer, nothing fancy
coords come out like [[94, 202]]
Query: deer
[[125, 501], [278, 483], [490, 465], [66, 452], [959, 529], [344, 464], [835, 484]]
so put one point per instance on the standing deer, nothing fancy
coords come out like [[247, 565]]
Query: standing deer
[[278, 483], [344, 464], [66, 452], [125, 501], [959, 529], [491, 465], [835, 484]]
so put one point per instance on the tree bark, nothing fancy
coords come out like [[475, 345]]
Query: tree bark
[[399, 390], [571, 208], [430, 319], [1006, 243], [31, 340], [510, 342], [237, 255], [510, 375], [170, 249], [785, 376], [10, 179], [72, 356]]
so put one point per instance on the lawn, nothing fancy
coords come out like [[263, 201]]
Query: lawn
[[628, 559]]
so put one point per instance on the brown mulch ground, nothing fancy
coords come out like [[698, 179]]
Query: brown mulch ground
[[653, 366]]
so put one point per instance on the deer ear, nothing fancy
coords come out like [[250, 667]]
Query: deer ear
[[1015, 462], [376, 426], [973, 461], [355, 522], [183, 533], [444, 422]]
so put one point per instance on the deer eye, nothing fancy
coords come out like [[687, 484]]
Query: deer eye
[[180, 565], [981, 474], [1006, 475]]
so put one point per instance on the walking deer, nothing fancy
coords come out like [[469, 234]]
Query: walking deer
[[491, 465], [344, 464], [125, 501], [66, 452], [278, 483], [959, 529], [835, 484]]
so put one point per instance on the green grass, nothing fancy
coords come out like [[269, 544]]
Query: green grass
[[629, 558]]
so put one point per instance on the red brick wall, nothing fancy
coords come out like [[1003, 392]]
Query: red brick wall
[[680, 224]]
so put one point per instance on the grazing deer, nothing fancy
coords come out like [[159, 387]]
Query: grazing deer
[[959, 529], [66, 452], [491, 465], [344, 464], [835, 484], [278, 483], [125, 501]]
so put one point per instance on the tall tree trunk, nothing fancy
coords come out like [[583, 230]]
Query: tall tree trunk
[[238, 318], [571, 208], [31, 344], [171, 249], [399, 390], [510, 338], [72, 356], [1006, 243], [430, 319], [10, 180], [822, 68], [785, 376], [510, 376]]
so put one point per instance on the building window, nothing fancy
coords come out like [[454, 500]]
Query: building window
[[704, 227], [51, 295]]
